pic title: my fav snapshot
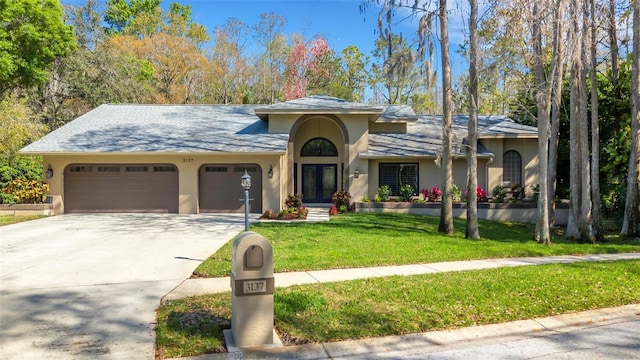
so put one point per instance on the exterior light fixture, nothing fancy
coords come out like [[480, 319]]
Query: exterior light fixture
[[49, 173], [245, 181], [356, 174], [270, 173]]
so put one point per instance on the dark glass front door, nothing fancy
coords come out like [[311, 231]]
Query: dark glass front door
[[319, 182]]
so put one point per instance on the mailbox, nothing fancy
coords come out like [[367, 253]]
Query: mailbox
[[252, 286]]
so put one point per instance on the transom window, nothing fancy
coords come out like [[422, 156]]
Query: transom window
[[512, 168], [396, 175], [319, 147]]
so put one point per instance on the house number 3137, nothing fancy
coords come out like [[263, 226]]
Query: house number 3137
[[187, 160]]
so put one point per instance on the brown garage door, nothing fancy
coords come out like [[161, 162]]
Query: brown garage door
[[121, 188], [220, 189]]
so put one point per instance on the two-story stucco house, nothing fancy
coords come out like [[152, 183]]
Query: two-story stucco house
[[189, 158]]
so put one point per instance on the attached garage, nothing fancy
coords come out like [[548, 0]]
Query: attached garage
[[220, 190], [121, 188]]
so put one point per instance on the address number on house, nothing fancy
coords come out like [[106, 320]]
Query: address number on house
[[260, 286]]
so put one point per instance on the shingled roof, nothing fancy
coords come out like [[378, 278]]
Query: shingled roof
[[243, 129], [424, 137], [163, 128]]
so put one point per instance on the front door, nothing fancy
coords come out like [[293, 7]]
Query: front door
[[319, 182]]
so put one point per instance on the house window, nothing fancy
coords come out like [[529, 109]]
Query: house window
[[396, 175], [319, 147], [136, 169], [167, 168], [512, 168], [80, 169]]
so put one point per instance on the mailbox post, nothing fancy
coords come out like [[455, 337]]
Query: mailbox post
[[252, 286]]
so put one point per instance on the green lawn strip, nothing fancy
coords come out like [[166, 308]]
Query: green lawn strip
[[363, 240], [11, 219], [399, 305]]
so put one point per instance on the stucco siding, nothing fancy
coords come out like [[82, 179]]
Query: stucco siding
[[188, 166]]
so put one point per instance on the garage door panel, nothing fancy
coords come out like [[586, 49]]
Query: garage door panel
[[121, 188], [220, 190]]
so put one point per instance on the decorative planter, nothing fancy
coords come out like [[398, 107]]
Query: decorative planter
[[519, 212], [26, 209]]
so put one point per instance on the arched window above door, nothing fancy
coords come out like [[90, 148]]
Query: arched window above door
[[319, 147]]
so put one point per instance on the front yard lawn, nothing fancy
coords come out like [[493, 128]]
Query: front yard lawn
[[398, 305], [365, 239]]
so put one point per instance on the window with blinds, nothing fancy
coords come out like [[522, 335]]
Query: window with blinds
[[395, 175]]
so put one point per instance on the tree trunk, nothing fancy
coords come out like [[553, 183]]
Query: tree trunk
[[446, 210], [543, 108], [586, 228], [472, 231], [613, 43], [595, 129], [631, 222], [556, 103], [575, 183]]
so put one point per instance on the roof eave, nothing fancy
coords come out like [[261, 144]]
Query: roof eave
[[507, 136], [149, 153]]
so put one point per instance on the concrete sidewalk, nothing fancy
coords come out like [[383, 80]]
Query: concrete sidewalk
[[594, 334], [192, 287]]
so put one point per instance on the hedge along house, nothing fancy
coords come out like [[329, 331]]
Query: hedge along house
[[189, 158]]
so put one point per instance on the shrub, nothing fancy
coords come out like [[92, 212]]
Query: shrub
[[517, 191], [456, 193], [406, 192], [23, 191], [499, 193], [302, 212], [377, 198], [436, 194], [481, 195], [333, 210], [19, 167], [341, 199], [293, 201], [384, 192], [536, 192], [425, 194], [365, 198]]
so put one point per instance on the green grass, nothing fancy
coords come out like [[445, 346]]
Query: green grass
[[399, 305], [364, 240], [11, 219]]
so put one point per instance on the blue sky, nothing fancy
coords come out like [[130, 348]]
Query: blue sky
[[339, 21]]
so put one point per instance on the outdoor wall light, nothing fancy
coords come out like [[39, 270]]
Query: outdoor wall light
[[270, 173], [356, 174], [49, 172]]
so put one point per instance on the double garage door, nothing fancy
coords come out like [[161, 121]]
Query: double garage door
[[121, 188], [154, 188]]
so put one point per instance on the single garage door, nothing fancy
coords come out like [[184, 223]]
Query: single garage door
[[121, 188], [220, 189]]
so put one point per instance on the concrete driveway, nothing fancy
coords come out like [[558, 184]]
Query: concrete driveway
[[87, 286]]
